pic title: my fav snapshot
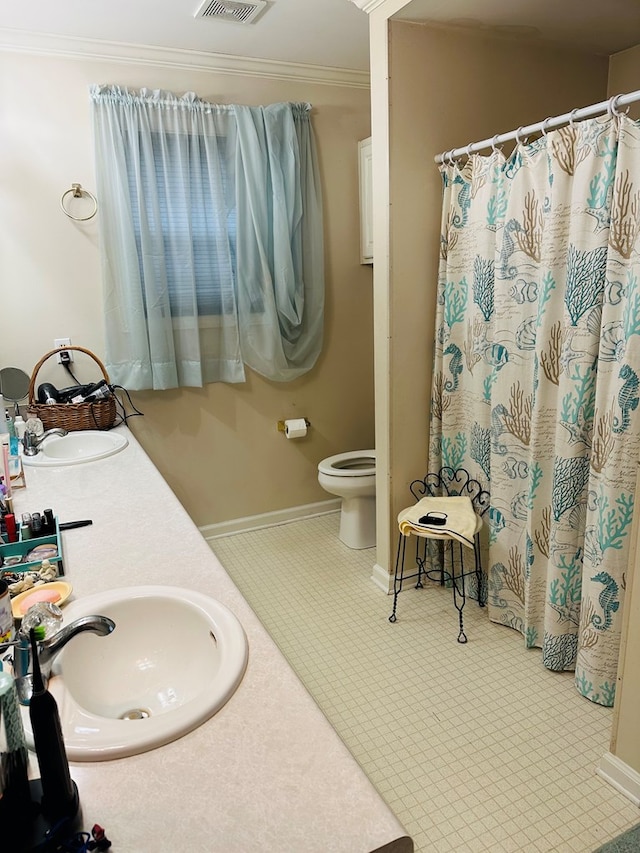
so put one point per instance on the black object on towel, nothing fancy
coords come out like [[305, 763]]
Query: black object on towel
[[437, 519]]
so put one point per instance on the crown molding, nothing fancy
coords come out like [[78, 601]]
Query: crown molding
[[45, 44], [368, 5]]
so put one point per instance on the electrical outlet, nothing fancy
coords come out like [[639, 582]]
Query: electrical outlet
[[61, 343]]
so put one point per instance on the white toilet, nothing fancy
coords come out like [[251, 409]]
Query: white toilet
[[352, 477]]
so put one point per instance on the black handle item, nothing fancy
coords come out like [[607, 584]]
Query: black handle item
[[71, 525]]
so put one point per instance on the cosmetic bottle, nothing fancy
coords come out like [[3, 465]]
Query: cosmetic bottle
[[20, 426], [14, 449], [5, 440], [11, 527], [13, 438], [5, 467], [59, 793]]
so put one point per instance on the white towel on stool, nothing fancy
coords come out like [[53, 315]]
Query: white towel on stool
[[462, 522]]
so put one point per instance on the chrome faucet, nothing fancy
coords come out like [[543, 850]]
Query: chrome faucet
[[31, 442], [48, 650]]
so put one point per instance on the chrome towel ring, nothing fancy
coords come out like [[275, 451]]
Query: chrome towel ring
[[77, 192]]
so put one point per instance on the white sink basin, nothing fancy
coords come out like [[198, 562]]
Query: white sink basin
[[77, 447], [174, 659]]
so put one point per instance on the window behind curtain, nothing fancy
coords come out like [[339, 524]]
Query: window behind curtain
[[190, 222]]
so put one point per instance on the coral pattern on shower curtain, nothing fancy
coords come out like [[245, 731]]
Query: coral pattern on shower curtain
[[536, 380]]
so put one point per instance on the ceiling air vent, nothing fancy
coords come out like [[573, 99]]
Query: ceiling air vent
[[231, 10]]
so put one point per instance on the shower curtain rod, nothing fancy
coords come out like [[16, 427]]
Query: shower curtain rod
[[610, 106]]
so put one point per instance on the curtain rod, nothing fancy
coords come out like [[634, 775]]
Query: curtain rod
[[610, 106]]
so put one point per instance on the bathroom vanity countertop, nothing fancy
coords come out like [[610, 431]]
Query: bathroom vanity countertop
[[267, 773]]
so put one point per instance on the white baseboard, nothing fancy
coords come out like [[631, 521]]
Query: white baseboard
[[269, 519], [623, 777], [382, 579]]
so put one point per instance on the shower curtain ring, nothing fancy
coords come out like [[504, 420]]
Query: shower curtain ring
[[612, 107], [468, 150], [543, 128], [494, 139], [518, 140], [572, 116]]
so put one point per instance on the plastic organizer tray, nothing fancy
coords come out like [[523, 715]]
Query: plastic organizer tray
[[22, 547]]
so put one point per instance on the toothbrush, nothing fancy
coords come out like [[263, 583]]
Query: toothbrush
[[59, 795]]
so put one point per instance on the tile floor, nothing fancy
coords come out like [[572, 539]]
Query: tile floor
[[475, 747]]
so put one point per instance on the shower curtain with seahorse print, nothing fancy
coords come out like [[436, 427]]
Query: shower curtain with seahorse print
[[537, 380]]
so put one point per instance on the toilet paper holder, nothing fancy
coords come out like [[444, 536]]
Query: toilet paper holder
[[281, 425]]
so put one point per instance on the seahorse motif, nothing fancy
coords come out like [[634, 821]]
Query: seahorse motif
[[628, 398], [464, 201], [497, 428], [455, 367], [607, 599], [507, 249]]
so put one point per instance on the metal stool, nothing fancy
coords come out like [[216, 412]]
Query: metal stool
[[447, 482]]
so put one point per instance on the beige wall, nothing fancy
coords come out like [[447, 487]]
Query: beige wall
[[624, 76], [445, 88], [218, 447]]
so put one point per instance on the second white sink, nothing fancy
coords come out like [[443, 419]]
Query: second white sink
[[174, 658], [76, 447]]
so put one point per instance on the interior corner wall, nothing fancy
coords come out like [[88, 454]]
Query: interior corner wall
[[218, 447], [446, 88], [624, 76]]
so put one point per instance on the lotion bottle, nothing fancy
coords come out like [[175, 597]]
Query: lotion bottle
[[20, 426]]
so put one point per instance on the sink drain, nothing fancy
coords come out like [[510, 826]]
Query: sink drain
[[135, 714]]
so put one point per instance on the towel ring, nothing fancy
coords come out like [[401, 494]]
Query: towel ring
[[77, 192]]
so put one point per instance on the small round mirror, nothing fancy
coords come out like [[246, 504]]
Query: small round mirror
[[14, 384]]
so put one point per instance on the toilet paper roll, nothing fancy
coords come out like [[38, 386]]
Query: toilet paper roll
[[295, 428]]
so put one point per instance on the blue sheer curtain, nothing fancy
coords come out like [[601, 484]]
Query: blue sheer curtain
[[211, 238]]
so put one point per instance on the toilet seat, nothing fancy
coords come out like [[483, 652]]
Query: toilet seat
[[356, 463]]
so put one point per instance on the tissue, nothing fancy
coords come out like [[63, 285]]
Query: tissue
[[295, 428]]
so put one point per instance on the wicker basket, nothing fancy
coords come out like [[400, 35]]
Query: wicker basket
[[73, 416]]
